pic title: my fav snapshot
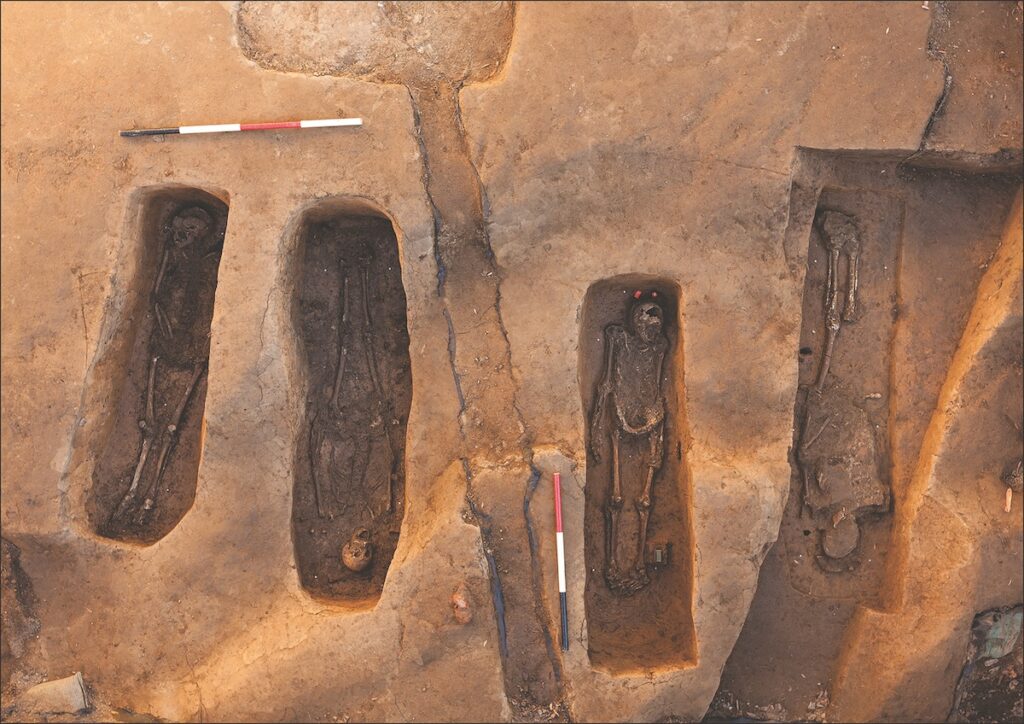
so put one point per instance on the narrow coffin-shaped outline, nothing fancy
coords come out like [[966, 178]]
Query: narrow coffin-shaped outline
[[318, 211], [112, 346], [689, 658]]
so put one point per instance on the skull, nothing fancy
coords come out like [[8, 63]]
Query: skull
[[646, 319], [189, 226], [357, 554]]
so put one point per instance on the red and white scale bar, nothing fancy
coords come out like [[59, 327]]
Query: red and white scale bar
[[560, 549], [236, 127]]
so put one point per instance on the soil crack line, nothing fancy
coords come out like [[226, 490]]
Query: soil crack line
[[484, 523], [468, 278]]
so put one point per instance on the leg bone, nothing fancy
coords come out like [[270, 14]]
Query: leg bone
[[831, 315], [342, 340], [371, 361], [316, 442], [614, 507], [160, 274], [148, 426], [643, 503], [853, 257], [170, 437]]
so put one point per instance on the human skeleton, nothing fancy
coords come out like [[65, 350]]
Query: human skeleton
[[633, 362], [329, 440], [189, 243]]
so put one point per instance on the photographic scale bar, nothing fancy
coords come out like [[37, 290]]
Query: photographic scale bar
[[560, 550], [236, 127]]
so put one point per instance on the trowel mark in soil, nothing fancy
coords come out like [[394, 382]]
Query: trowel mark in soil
[[349, 497], [638, 603], [145, 476]]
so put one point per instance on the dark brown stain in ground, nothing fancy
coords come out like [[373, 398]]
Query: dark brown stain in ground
[[654, 627], [991, 685], [351, 449], [469, 42], [181, 344], [850, 416]]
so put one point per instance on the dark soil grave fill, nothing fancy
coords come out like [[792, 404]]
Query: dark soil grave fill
[[349, 496], [144, 480], [639, 606]]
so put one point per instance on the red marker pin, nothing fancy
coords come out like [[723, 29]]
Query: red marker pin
[[560, 547]]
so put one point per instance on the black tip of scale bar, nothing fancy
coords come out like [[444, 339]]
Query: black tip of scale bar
[[150, 132]]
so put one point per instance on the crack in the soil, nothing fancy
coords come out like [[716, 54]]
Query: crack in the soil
[[472, 210], [939, 14], [485, 204], [435, 212], [527, 439], [455, 371], [483, 522]]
